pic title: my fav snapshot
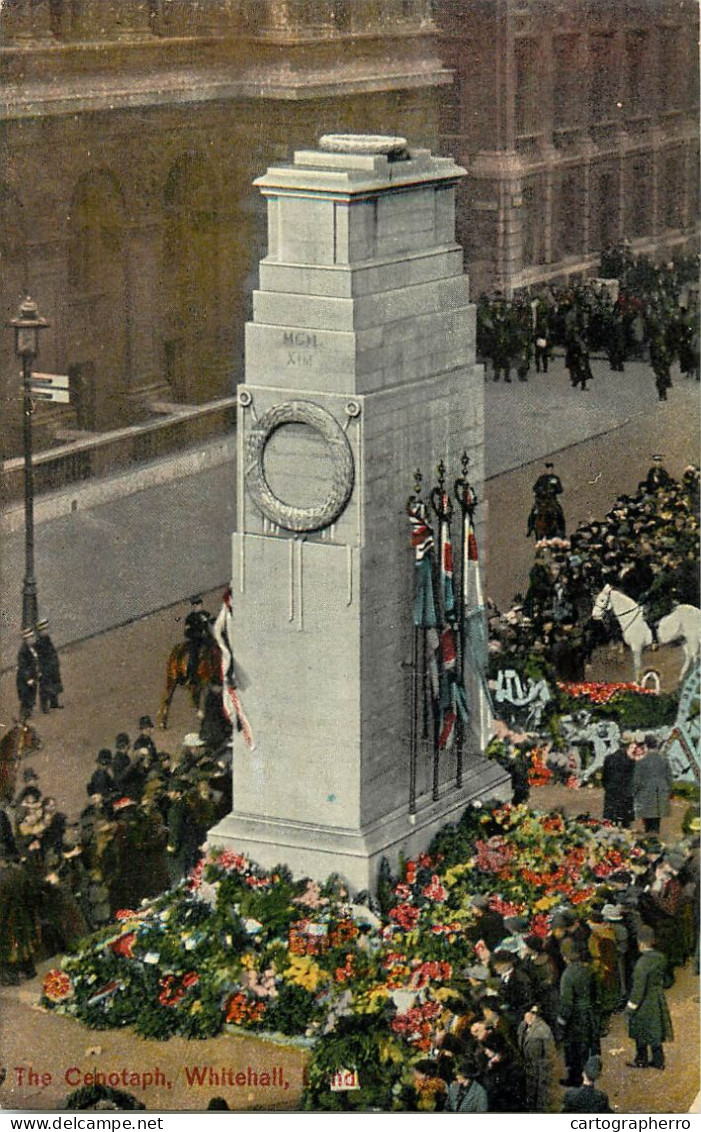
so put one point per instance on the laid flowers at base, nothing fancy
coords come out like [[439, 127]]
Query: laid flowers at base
[[265, 953]]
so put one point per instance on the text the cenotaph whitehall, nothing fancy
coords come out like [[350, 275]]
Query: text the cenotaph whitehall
[[360, 368]]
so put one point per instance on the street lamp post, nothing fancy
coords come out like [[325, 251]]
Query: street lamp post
[[26, 327]]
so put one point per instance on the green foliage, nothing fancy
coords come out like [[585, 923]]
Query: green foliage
[[358, 1043], [292, 1011], [630, 710], [385, 883]]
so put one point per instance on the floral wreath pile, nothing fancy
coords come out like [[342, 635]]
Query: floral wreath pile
[[239, 949]]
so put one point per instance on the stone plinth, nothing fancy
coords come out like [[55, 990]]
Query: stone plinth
[[360, 367]]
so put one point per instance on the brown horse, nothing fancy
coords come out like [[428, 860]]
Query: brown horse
[[15, 743], [546, 519], [208, 669]]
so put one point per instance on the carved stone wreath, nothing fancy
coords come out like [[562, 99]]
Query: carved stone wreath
[[342, 476]]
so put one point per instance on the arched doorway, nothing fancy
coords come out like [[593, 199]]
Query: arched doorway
[[97, 322]]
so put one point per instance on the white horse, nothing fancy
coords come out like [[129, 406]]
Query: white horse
[[683, 624]]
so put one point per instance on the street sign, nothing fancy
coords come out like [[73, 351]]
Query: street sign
[[49, 380], [58, 396], [50, 387]]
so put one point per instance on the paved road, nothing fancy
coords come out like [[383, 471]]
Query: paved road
[[110, 552], [123, 556]]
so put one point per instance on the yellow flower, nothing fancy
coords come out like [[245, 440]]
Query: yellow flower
[[544, 903], [196, 1006], [452, 876], [304, 972], [390, 1052], [248, 961], [444, 994], [371, 1001]]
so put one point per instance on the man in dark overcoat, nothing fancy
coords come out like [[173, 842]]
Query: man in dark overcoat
[[197, 631], [50, 685], [652, 786], [617, 781], [27, 674], [579, 1019], [649, 1020], [102, 781]]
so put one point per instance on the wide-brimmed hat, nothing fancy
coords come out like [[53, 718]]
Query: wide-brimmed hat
[[192, 739], [122, 804], [612, 912], [146, 721]]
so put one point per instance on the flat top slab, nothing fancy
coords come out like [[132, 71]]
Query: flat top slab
[[352, 164]]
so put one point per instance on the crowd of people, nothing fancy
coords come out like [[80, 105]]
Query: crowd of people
[[633, 311], [647, 546], [533, 1002], [145, 820]]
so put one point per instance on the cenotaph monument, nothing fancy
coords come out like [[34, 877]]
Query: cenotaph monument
[[360, 369]]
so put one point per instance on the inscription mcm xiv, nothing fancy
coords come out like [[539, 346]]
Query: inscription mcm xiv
[[298, 343]]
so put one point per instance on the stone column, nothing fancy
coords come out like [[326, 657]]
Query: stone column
[[360, 367]]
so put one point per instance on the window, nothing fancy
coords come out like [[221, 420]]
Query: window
[[527, 58]]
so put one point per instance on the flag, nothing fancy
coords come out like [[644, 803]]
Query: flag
[[452, 696], [447, 590], [223, 632], [475, 642], [425, 610], [452, 701]]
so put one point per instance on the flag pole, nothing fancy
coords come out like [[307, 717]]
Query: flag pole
[[467, 502], [473, 610], [414, 509], [443, 509]]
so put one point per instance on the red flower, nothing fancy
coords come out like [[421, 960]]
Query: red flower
[[403, 891], [124, 914], [239, 1010], [57, 986], [191, 979], [405, 916], [435, 890], [124, 946]]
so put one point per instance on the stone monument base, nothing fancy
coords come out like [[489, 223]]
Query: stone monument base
[[317, 851]]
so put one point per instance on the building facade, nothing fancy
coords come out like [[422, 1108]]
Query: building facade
[[132, 131], [578, 123]]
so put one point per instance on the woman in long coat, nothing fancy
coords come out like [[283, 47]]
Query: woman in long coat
[[649, 1020]]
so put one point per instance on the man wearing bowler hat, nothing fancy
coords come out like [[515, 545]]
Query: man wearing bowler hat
[[27, 674], [50, 686]]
